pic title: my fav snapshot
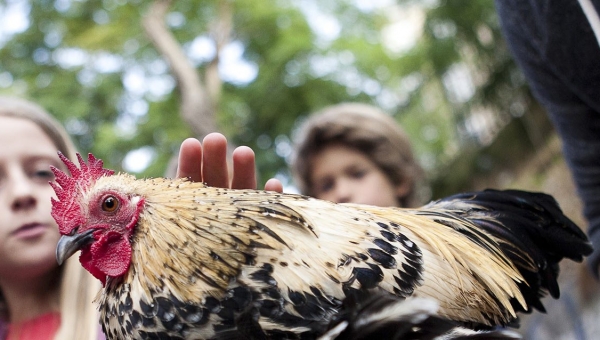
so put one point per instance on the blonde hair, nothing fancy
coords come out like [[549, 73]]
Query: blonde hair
[[78, 288], [366, 129]]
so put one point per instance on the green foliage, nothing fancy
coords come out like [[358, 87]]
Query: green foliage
[[79, 59]]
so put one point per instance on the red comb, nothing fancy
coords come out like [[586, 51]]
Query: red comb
[[66, 210]]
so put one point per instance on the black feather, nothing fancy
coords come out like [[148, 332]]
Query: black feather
[[531, 229], [385, 316]]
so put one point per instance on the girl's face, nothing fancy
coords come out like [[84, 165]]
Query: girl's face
[[28, 234], [345, 175]]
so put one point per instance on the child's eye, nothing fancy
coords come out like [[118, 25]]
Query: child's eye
[[358, 173], [325, 186], [44, 174]]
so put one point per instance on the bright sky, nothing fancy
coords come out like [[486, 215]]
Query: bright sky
[[13, 18]]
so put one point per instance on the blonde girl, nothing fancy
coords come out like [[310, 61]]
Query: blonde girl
[[37, 295]]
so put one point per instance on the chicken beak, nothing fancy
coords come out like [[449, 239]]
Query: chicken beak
[[69, 244]]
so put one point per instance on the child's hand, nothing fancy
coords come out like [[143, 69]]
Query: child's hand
[[207, 163]]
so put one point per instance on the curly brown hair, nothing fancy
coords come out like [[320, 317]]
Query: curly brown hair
[[364, 128]]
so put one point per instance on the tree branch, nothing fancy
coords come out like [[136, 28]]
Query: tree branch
[[220, 31], [197, 106]]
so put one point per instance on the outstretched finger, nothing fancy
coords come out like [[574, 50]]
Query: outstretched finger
[[214, 162], [190, 160], [244, 169], [274, 185]]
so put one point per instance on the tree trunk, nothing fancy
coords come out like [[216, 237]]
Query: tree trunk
[[199, 100]]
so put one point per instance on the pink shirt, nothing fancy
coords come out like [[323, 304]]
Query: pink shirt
[[43, 327]]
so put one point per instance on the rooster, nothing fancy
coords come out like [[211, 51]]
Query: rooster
[[182, 260]]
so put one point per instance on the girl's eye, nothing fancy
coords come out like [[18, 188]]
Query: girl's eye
[[39, 170], [110, 204], [45, 174]]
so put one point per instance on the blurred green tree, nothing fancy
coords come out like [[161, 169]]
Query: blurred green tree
[[131, 79]]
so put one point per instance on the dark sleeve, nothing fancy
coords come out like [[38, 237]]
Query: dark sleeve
[[555, 47]]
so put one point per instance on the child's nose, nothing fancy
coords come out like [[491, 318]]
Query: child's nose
[[343, 192], [21, 192]]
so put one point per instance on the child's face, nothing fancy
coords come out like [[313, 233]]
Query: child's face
[[345, 175], [28, 234]]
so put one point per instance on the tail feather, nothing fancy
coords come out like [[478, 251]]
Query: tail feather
[[532, 231], [538, 216]]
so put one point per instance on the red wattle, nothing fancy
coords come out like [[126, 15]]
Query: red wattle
[[87, 262], [111, 254]]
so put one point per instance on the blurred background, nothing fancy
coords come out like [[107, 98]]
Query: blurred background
[[132, 79]]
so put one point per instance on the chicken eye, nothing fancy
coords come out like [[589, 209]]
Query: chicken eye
[[110, 204]]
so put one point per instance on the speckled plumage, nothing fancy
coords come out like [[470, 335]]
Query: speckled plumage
[[386, 316], [246, 264]]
